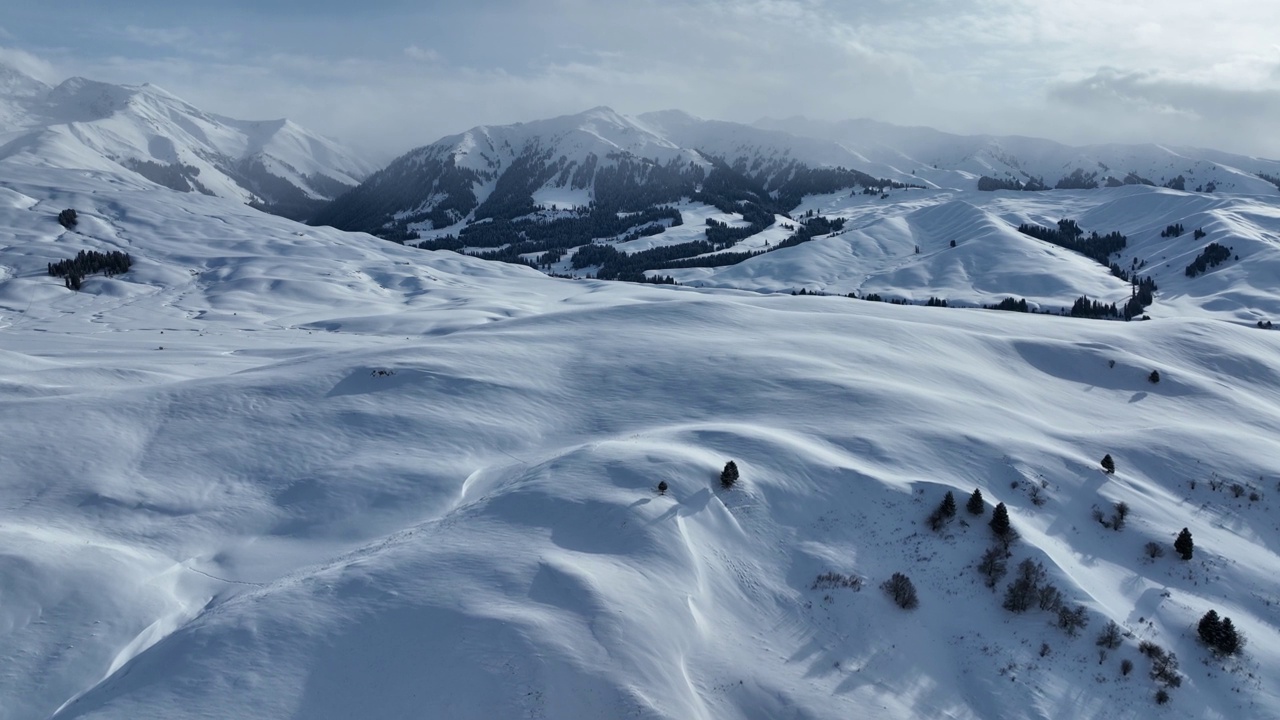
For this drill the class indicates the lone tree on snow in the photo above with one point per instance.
(976, 505)
(1108, 464)
(900, 588)
(662, 487)
(1154, 377)
(1000, 523)
(1183, 545)
(729, 476)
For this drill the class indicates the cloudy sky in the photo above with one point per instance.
(387, 75)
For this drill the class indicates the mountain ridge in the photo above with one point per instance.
(465, 168)
(275, 165)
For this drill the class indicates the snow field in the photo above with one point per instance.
(365, 480)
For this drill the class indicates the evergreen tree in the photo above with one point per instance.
(1108, 464)
(1154, 377)
(976, 505)
(662, 487)
(944, 512)
(1229, 641)
(1184, 545)
(729, 476)
(1000, 522)
(1210, 629)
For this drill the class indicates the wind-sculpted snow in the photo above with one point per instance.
(283, 471)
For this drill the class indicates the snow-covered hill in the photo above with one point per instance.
(283, 471)
(900, 248)
(83, 124)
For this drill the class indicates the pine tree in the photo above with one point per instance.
(1210, 629)
(976, 505)
(1229, 641)
(943, 513)
(662, 487)
(1154, 377)
(1108, 464)
(1183, 545)
(729, 476)
(1000, 522)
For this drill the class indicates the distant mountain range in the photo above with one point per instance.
(633, 163)
(948, 160)
(274, 165)
(667, 197)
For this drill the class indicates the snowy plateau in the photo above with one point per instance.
(286, 471)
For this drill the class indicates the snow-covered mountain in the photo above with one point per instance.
(598, 157)
(510, 171)
(275, 165)
(954, 161)
(284, 471)
(898, 215)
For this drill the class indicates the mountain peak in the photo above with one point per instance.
(80, 99)
(15, 83)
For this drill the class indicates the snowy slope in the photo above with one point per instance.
(84, 124)
(876, 252)
(283, 471)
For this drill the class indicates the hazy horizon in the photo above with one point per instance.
(390, 75)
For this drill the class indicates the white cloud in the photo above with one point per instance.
(1149, 104)
(172, 37)
(25, 62)
(997, 66)
(427, 55)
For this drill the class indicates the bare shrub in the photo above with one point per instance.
(902, 591)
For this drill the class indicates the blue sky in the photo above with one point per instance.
(386, 75)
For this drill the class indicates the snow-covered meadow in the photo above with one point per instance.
(283, 471)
